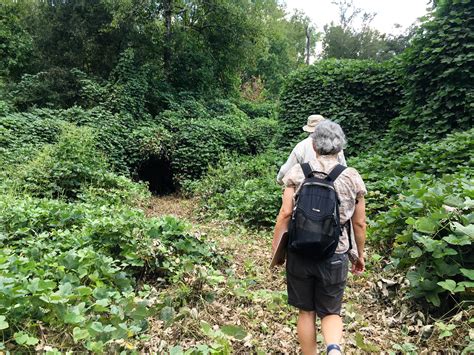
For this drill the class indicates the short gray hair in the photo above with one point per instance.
(328, 138)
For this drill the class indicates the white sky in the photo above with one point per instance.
(389, 12)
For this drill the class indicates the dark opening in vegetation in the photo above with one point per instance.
(157, 172)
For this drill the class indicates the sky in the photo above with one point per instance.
(389, 12)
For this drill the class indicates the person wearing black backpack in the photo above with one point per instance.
(320, 201)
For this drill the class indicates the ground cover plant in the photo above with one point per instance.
(103, 105)
(76, 250)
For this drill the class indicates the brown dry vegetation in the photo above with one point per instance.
(248, 294)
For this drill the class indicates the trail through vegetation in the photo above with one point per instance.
(247, 295)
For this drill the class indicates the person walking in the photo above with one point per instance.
(316, 286)
(303, 151)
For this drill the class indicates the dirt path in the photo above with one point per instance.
(250, 295)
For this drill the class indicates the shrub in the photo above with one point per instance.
(438, 76)
(431, 226)
(55, 87)
(386, 175)
(28, 129)
(202, 133)
(73, 267)
(258, 109)
(262, 133)
(363, 96)
(67, 167)
(243, 189)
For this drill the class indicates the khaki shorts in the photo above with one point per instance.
(316, 285)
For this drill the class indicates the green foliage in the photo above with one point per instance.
(258, 109)
(67, 167)
(438, 76)
(73, 266)
(202, 133)
(16, 42)
(73, 263)
(363, 96)
(386, 175)
(55, 87)
(435, 241)
(420, 208)
(243, 189)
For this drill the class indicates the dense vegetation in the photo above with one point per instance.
(101, 103)
(420, 194)
(362, 95)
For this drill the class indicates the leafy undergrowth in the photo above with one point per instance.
(241, 308)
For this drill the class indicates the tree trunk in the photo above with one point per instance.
(308, 43)
(168, 11)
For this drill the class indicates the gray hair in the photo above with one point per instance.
(328, 138)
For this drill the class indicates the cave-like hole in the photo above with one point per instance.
(157, 172)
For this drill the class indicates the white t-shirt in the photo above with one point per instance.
(303, 152)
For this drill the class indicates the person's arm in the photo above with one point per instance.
(359, 225)
(284, 216)
(341, 158)
(292, 161)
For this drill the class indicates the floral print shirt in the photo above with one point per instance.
(349, 187)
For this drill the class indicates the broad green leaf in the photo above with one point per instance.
(365, 346)
(467, 284)
(3, 323)
(469, 273)
(433, 298)
(167, 314)
(449, 285)
(84, 291)
(176, 350)
(97, 327)
(206, 328)
(415, 252)
(80, 334)
(464, 230)
(426, 225)
(457, 240)
(23, 338)
(73, 318)
(234, 331)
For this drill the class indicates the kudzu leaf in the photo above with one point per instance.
(469, 273)
(361, 344)
(463, 230)
(3, 323)
(206, 328)
(234, 331)
(167, 314)
(73, 318)
(79, 334)
(23, 338)
(467, 284)
(97, 327)
(426, 225)
(415, 252)
(449, 285)
(457, 240)
(433, 298)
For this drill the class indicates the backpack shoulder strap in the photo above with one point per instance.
(335, 172)
(307, 170)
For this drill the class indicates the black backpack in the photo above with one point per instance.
(315, 226)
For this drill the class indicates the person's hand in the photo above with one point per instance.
(358, 266)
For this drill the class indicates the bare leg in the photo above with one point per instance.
(331, 326)
(307, 332)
